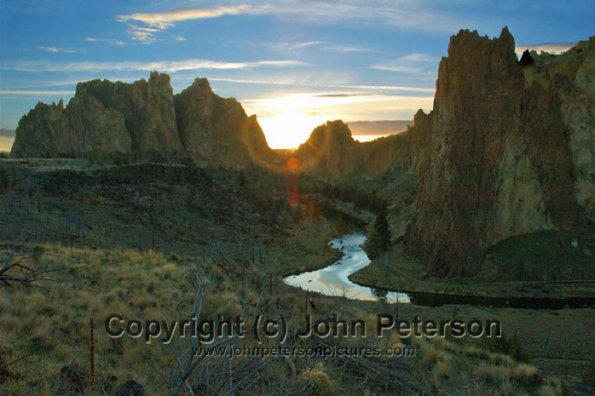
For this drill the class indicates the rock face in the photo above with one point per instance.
(507, 149)
(144, 117)
(212, 127)
(331, 151)
(85, 126)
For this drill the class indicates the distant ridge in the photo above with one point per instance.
(375, 128)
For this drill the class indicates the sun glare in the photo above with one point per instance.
(288, 130)
(288, 119)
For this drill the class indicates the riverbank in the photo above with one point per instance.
(333, 280)
(397, 270)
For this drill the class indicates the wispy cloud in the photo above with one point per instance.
(56, 49)
(143, 34)
(293, 83)
(402, 14)
(117, 43)
(165, 20)
(552, 48)
(292, 46)
(164, 66)
(35, 92)
(345, 48)
(416, 63)
(339, 95)
(159, 21)
(6, 132)
(288, 46)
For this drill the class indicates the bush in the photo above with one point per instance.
(380, 238)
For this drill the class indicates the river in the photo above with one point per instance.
(334, 279)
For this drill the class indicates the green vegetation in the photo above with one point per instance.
(380, 239)
(397, 270)
(541, 256)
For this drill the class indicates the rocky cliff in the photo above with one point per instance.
(144, 117)
(507, 149)
(331, 151)
(211, 127)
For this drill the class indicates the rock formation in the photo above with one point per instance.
(331, 151)
(507, 149)
(144, 117)
(211, 127)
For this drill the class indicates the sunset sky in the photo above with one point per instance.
(293, 63)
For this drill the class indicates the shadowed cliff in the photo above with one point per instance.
(507, 150)
(144, 118)
(331, 152)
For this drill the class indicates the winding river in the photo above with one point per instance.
(334, 279)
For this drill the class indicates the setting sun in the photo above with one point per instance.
(287, 120)
(289, 129)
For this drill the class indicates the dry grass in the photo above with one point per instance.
(48, 327)
(44, 329)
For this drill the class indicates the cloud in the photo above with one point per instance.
(163, 66)
(159, 21)
(401, 14)
(345, 48)
(117, 43)
(288, 46)
(180, 38)
(56, 49)
(165, 20)
(339, 95)
(143, 34)
(419, 57)
(415, 63)
(292, 46)
(429, 91)
(6, 132)
(552, 48)
(35, 92)
(294, 83)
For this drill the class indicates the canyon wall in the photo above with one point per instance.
(506, 150)
(145, 117)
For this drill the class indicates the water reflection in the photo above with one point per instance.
(334, 279)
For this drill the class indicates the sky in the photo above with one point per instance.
(294, 63)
